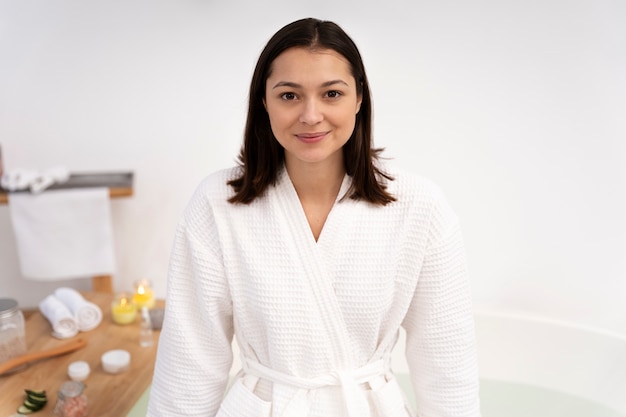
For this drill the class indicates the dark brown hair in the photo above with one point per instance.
(261, 155)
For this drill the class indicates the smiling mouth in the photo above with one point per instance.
(311, 137)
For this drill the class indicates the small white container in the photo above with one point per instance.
(78, 371)
(115, 361)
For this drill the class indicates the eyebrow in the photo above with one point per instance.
(296, 85)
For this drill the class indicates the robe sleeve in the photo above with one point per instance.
(194, 353)
(441, 345)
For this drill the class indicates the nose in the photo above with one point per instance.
(311, 112)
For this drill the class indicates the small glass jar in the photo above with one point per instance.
(71, 400)
(144, 296)
(123, 309)
(12, 330)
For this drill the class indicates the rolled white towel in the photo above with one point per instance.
(87, 314)
(36, 181)
(18, 179)
(59, 174)
(63, 323)
(51, 176)
(40, 183)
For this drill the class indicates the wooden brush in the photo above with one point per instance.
(18, 361)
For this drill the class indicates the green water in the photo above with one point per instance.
(506, 399)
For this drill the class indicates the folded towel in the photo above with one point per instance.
(63, 234)
(87, 314)
(60, 317)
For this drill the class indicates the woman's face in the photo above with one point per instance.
(312, 101)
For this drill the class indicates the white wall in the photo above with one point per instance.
(515, 107)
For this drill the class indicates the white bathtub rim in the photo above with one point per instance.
(567, 357)
(534, 318)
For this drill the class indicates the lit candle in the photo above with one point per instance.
(143, 297)
(123, 310)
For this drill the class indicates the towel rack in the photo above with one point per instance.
(120, 184)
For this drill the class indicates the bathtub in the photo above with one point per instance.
(533, 367)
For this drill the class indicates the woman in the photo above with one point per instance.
(314, 257)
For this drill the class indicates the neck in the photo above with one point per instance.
(316, 182)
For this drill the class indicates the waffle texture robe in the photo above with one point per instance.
(316, 320)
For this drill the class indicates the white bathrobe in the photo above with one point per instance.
(316, 320)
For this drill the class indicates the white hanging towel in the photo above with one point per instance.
(61, 319)
(87, 314)
(63, 234)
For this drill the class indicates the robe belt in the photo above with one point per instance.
(354, 397)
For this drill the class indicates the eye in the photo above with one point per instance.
(334, 94)
(288, 96)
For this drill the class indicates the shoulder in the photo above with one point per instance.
(411, 188)
(422, 199)
(211, 193)
(214, 187)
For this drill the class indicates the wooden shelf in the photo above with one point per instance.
(120, 184)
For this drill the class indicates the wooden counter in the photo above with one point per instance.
(111, 395)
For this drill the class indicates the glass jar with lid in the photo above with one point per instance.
(12, 331)
(71, 400)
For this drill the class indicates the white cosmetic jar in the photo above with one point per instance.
(115, 361)
(78, 371)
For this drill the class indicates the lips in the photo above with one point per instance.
(311, 137)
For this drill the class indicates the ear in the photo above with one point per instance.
(264, 104)
(359, 100)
